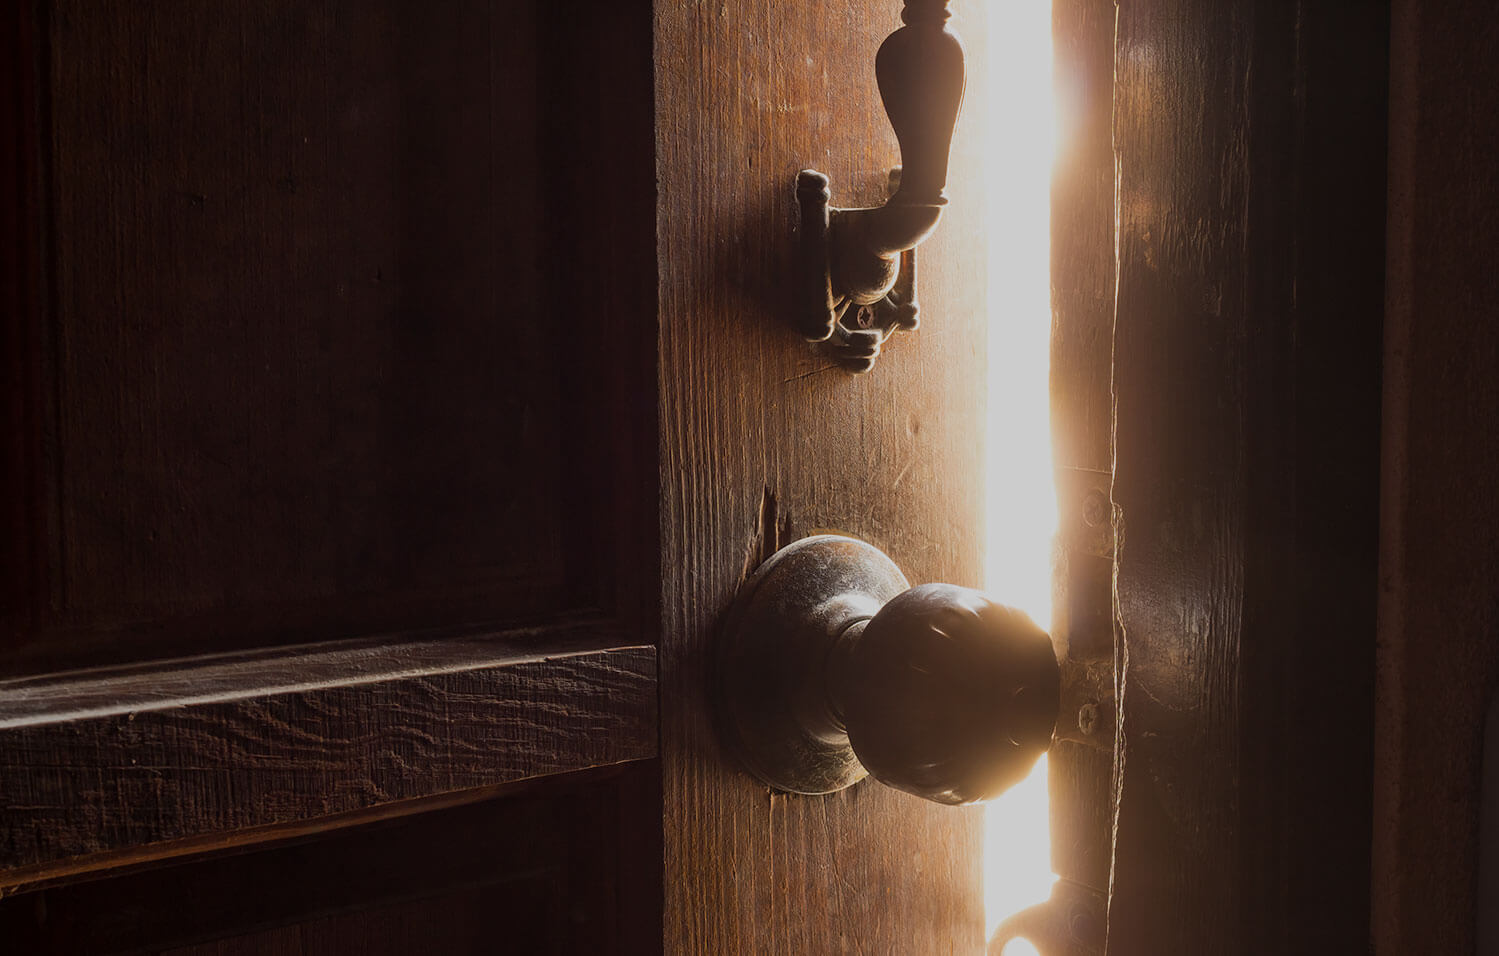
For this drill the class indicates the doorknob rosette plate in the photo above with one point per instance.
(774, 656)
(831, 668)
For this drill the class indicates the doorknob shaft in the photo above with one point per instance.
(830, 667)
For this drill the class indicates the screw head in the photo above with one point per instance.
(1095, 508)
(1087, 718)
(1084, 927)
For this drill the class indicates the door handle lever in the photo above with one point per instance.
(858, 266)
(831, 667)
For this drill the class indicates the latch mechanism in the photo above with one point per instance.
(858, 266)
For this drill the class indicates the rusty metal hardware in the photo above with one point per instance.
(858, 266)
(832, 667)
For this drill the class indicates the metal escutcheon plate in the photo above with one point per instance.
(773, 656)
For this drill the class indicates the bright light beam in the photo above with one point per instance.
(1020, 121)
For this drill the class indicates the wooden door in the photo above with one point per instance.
(330, 479)
(1250, 144)
(397, 394)
(765, 439)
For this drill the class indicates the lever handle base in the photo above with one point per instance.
(857, 282)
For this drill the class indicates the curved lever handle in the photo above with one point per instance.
(831, 668)
(919, 69)
(859, 265)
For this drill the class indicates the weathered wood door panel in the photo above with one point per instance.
(765, 440)
(312, 516)
(299, 362)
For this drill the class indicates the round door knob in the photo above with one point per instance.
(832, 667)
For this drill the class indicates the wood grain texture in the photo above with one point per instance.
(763, 441)
(547, 867)
(284, 941)
(299, 325)
(1250, 138)
(327, 319)
(295, 235)
(1082, 236)
(1439, 608)
(274, 741)
(22, 401)
(1081, 764)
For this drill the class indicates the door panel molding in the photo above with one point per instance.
(327, 322)
(150, 761)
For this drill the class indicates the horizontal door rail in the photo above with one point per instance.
(132, 764)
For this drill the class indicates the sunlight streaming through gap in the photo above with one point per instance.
(1019, 118)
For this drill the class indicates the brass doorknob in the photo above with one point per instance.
(831, 666)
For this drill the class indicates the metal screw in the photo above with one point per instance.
(1084, 928)
(1095, 508)
(1087, 718)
